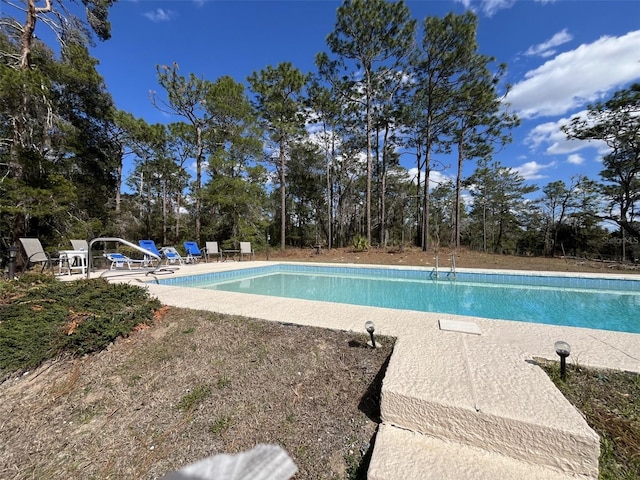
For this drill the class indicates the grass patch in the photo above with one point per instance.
(221, 424)
(610, 401)
(194, 397)
(43, 318)
(223, 382)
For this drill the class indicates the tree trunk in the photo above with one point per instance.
(368, 133)
(165, 240)
(119, 180)
(283, 198)
(426, 214)
(178, 204)
(329, 197)
(456, 242)
(198, 188)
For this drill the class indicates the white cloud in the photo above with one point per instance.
(160, 15)
(549, 136)
(435, 178)
(488, 7)
(554, 141)
(546, 49)
(578, 77)
(190, 166)
(575, 159)
(532, 170)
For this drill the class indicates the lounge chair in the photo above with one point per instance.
(171, 255)
(118, 260)
(245, 249)
(36, 254)
(194, 255)
(150, 245)
(212, 250)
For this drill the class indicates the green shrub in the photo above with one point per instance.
(360, 244)
(43, 318)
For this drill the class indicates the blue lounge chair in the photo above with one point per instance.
(118, 260)
(194, 255)
(150, 245)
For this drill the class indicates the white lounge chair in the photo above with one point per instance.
(171, 255)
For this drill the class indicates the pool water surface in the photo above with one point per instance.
(608, 304)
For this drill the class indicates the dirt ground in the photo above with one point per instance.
(463, 259)
(195, 384)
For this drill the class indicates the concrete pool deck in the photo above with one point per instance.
(454, 404)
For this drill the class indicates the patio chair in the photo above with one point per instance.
(81, 245)
(194, 255)
(245, 249)
(150, 245)
(118, 260)
(78, 261)
(171, 255)
(211, 250)
(36, 254)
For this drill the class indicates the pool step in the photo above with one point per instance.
(405, 455)
(470, 390)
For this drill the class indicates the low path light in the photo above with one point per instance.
(13, 254)
(370, 327)
(563, 349)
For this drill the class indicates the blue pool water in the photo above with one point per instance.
(609, 304)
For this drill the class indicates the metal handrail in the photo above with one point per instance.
(435, 273)
(127, 243)
(453, 266)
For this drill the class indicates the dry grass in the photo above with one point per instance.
(610, 402)
(193, 385)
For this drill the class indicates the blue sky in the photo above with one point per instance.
(561, 55)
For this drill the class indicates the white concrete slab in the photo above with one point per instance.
(459, 326)
(405, 455)
(473, 391)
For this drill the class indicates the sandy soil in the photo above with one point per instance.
(463, 259)
(193, 385)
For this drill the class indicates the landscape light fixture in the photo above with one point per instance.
(370, 327)
(13, 255)
(563, 349)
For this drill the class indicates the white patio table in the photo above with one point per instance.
(74, 260)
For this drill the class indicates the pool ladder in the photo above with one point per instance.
(435, 273)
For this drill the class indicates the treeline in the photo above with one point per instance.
(300, 158)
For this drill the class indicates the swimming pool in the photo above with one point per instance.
(600, 303)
